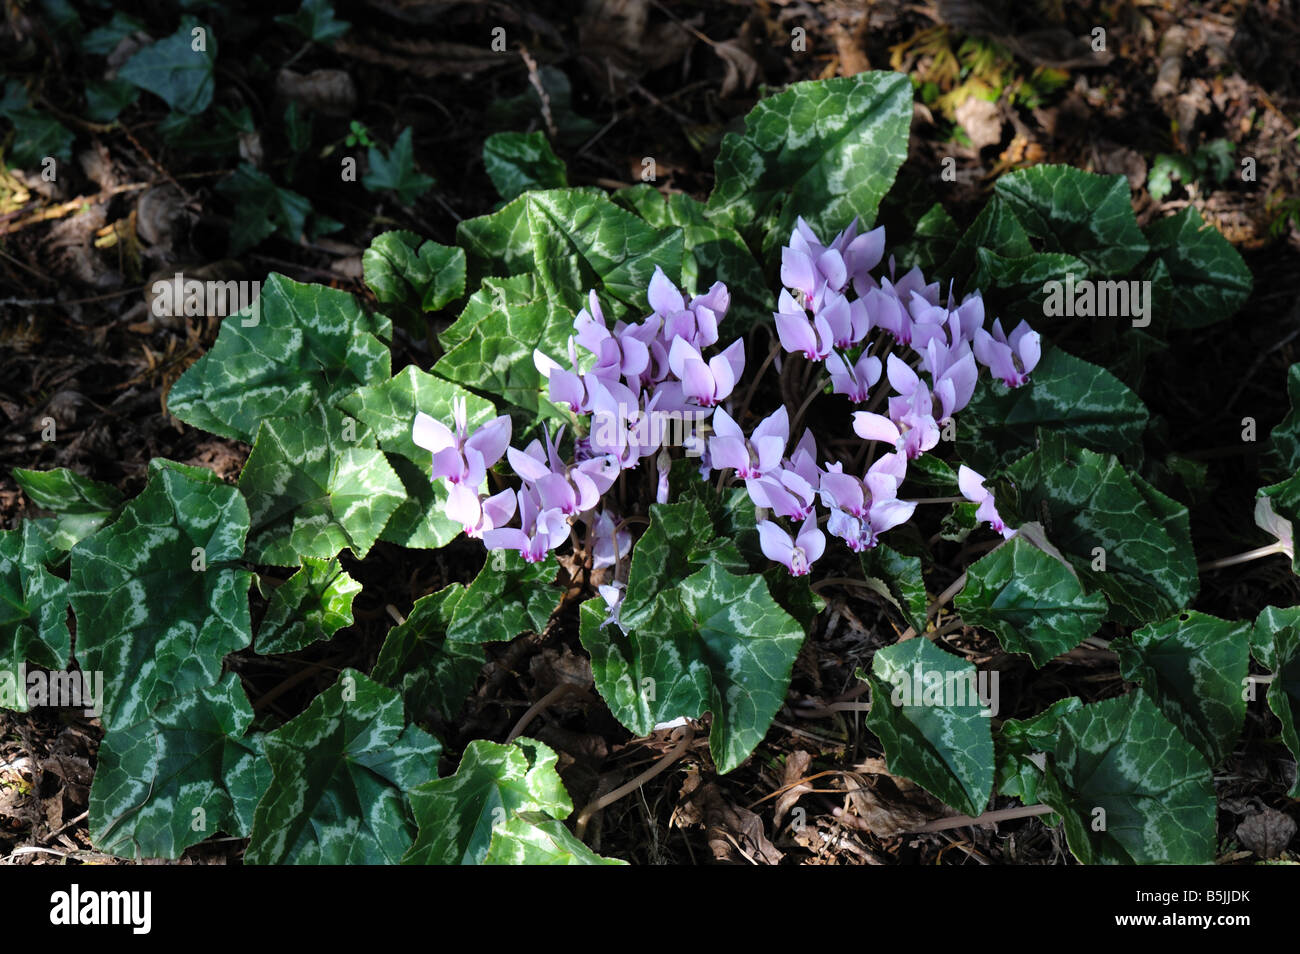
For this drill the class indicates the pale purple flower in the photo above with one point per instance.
(973, 489)
(604, 550)
(783, 491)
(876, 427)
(798, 554)
(541, 531)
(711, 382)
(1009, 358)
(885, 310)
(814, 338)
(477, 513)
(457, 455)
(612, 594)
(954, 372)
(753, 457)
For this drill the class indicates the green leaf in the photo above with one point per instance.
(927, 713)
(315, 485)
(81, 505)
(711, 252)
(508, 597)
(527, 109)
(1089, 501)
(1128, 787)
(296, 347)
(179, 776)
(574, 240)
(1164, 170)
(534, 838)
(898, 579)
(388, 409)
(313, 604)
(173, 70)
(342, 772)
(396, 172)
(1072, 397)
(495, 350)
(1275, 642)
(152, 623)
(827, 150)
(1194, 667)
(1080, 213)
(716, 642)
(315, 20)
(263, 208)
(1031, 601)
(997, 230)
(1020, 744)
(101, 41)
(1210, 279)
(105, 99)
(1283, 454)
(413, 275)
(460, 816)
(681, 539)
(38, 136)
(418, 660)
(517, 162)
(33, 610)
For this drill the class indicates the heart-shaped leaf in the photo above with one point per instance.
(518, 162)
(160, 596)
(313, 604)
(179, 776)
(297, 346)
(342, 771)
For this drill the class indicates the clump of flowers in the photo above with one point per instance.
(899, 351)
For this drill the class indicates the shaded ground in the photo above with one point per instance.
(79, 344)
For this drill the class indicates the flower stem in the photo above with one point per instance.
(1246, 557)
(953, 589)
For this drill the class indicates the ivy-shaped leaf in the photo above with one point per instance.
(418, 660)
(508, 597)
(927, 712)
(313, 604)
(714, 642)
(1072, 397)
(459, 816)
(1283, 454)
(155, 616)
(711, 252)
(1123, 536)
(316, 21)
(681, 538)
(33, 610)
(574, 240)
(1021, 745)
(342, 771)
(178, 68)
(1128, 787)
(827, 150)
(81, 505)
(518, 162)
(1081, 213)
(297, 346)
(1210, 279)
(535, 838)
(395, 171)
(1031, 601)
(898, 579)
(1194, 667)
(1275, 642)
(179, 776)
(388, 408)
(316, 484)
(412, 274)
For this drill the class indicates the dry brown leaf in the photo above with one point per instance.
(1267, 833)
(330, 92)
(796, 767)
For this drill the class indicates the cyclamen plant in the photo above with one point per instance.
(832, 310)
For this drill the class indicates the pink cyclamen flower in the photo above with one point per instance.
(477, 513)
(541, 530)
(1012, 357)
(815, 339)
(457, 455)
(973, 489)
(753, 457)
(798, 554)
(711, 382)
